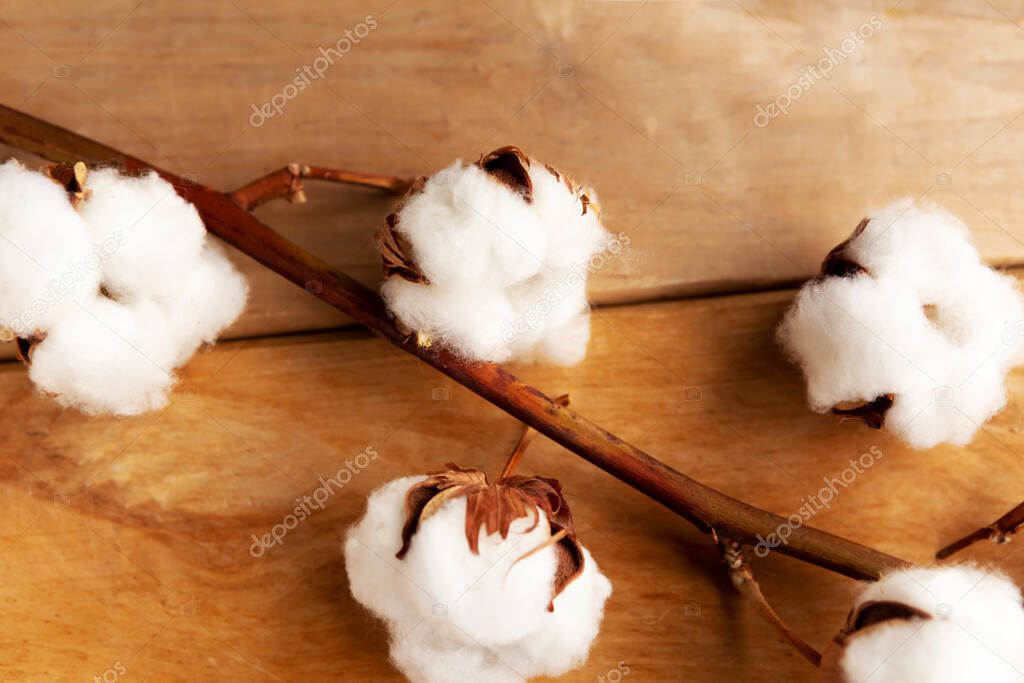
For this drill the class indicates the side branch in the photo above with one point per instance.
(743, 580)
(524, 441)
(999, 531)
(286, 183)
(703, 506)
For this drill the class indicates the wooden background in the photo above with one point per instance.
(125, 545)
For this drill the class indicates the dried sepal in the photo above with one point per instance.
(880, 611)
(394, 253)
(872, 613)
(25, 345)
(493, 507)
(871, 413)
(72, 178)
(837, 263)
(437, 488)
(510, 167)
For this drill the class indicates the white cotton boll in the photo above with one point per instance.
(209, 297)
(925, 321)
(973, 630)
(165, 290)
(106, 357)
(158, 235)
(467, 230)
(487, 246)
(45, 251)
(455, 616)
(472, 321)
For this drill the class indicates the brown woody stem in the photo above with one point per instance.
(286, 183)
(703, 506)
(744, 581)
(524, 441)
(999, 531)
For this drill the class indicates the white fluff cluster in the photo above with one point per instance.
(974, 630)
(926, 321)
(454, 616)
(507, 273)
(114, 294)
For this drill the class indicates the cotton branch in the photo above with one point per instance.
(743, 580)
(999, 531)
(286, 183)
(704, 507)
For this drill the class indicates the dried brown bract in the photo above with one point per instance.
(494, 507)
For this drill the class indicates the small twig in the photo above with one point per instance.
(524, 441)
(999, 531)
(743, 580)
(286, 183)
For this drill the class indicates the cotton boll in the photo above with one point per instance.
(454, 615)
(915, 316)
(106, 357)
(159, 234)
(467, 230)
(209, 297)
(472, 321)
(477, 257)
(165, 289)
(951, 624)
(45, 251)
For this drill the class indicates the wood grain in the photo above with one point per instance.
(653, 103)
(129, 540)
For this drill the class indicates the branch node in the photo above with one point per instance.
(1000, 531)
(734, 556)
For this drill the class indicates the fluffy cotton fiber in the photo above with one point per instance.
(505, 263)
(925, 321)
(113, 295)
(455, 616)
(971, 628)
(40, 234)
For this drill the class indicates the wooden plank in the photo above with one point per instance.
(127, 541)
(654, 103)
